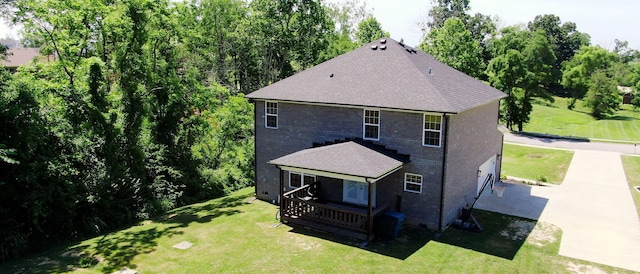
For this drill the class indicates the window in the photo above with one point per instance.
(271, 114)
(412, 183)
(432, 130)
(297, 179)
(371, 124)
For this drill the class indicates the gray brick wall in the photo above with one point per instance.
(299, 126)
(473, 139)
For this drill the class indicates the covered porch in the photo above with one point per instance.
(358, 165)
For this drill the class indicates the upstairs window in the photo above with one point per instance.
(271, 115)
(413, 183)
(371, 125)
(432, 130)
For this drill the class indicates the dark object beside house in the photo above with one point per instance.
(382, 128)
(399, 216)
(386, 227)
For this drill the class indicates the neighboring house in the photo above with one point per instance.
(17, 57)
(627, 94)
(383, 127)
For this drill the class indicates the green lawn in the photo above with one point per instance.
(238, 234)
(632, 170)
(556, 119)
(534, 163)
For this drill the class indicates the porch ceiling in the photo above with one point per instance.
(349, 160)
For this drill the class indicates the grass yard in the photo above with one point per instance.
(555, 118)
(534, 163)
(238, 234)
(632, 170)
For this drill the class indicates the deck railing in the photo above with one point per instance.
(296, 204)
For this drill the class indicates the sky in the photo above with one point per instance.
(603, 20)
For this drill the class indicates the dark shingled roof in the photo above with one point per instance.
(20, 56)
(347, 158)
(396, 77)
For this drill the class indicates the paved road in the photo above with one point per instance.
(593, 205)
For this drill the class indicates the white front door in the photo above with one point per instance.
(358, 193)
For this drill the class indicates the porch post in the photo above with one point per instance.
(281, 190)
(370, 213)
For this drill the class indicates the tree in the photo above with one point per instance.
(108, 132)
(565, 39)
(507, 73)
(521, 69)
(442, 10)
(453, 45)
(602, 97)
(481, 26)
(347, 16)
(626, 54)
(369, 30)
(577, 72)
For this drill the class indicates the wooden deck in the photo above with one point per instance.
(299, 208)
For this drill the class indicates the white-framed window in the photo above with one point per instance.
(271, 114)
(297, 179)
(432, 130)
(413, 183)
(371, 124)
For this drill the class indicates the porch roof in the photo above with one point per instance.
(350, 160)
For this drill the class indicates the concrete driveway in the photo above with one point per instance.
(593, 207)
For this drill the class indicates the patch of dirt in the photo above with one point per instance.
(533, 156)
(302, 242)
(42, 261)
(518, 230)
(543, 234)
(579, 268)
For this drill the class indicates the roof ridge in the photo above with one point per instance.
(427, 73)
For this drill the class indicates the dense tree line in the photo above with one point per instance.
(542, 58)
(143, 109)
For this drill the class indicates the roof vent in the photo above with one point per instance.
(374, 47)
(383, 47)
(331, 75)
(430, 72)
(383, 41)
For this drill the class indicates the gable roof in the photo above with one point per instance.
(20, 56)
(392, 76)
(350, 158)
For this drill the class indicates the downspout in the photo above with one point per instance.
(444, 169)
(255, 156)
(370, 211)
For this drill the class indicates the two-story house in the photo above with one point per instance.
(383, 127)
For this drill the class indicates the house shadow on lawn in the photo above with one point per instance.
(503, 236)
